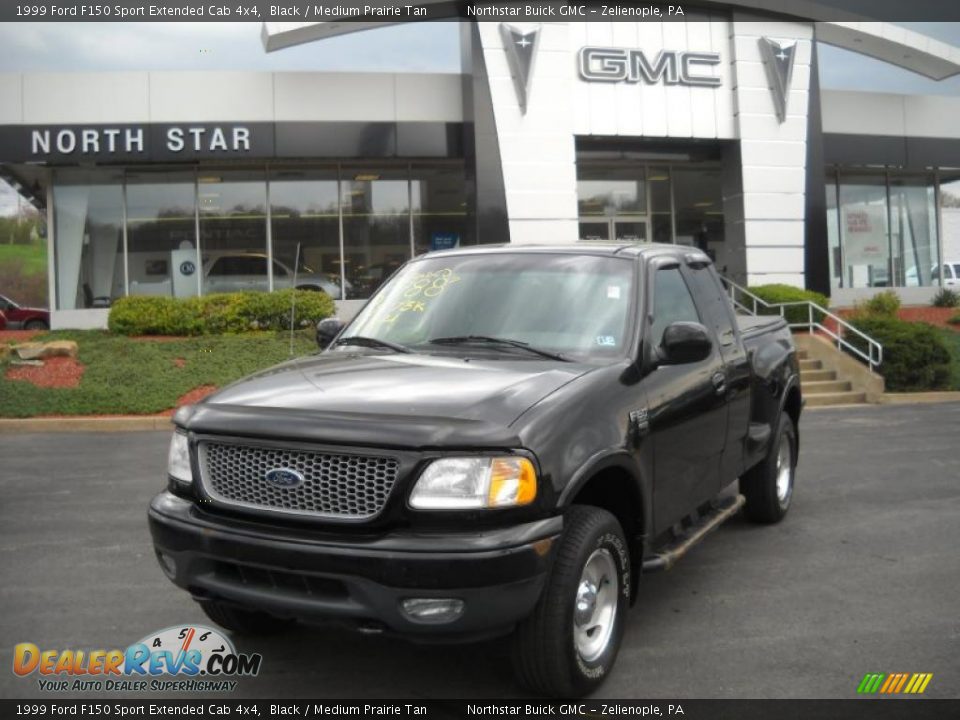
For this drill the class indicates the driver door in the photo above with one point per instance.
(687, 410)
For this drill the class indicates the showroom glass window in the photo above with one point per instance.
(913, 226)
(950, 226)
(162, 233)
(233, 230)
(304, 212)
(864, 231)
(833, 232)
(88, 235)
(882, 229)
(438, 206)
(698, 204)
(661, 204)
(375, 205)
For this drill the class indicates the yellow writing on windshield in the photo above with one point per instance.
(423, 287)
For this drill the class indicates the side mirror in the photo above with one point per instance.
(685, 342)
(327, 330)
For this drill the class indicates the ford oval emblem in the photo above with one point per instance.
(283, 477)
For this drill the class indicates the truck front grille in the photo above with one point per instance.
(333, 484)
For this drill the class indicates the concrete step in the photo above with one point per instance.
(807, 376)
(840, 398)
(810, 364)
(802, 355)
(820, 387)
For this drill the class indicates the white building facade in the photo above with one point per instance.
(709, 131)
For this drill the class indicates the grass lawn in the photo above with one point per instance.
(951, 339)
(34, 257)
(126, 376)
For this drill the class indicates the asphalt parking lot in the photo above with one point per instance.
(862, 576)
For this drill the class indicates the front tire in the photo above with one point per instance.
(768, 486)
(569, 643)
(35, 325)
(241, 621)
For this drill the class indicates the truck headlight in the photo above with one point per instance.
(178, 460)
(478, 482)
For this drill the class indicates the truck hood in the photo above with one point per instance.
(398, 400)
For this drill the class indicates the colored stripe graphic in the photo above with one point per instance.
(890, 682)
(894, 683)
(870, 683)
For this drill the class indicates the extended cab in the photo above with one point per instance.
(501, 441)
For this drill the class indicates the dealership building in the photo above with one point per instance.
(710, 131)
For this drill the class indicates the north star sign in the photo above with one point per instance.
(668, 66)
(99, 141)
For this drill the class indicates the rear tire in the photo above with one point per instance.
(569, 643)
(243, 622)
(35, 325)
(768, 486)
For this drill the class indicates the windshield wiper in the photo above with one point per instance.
(464, 339)
(372, 342)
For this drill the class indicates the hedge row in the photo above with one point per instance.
(776, 294)
(218, 313)
(914, 356)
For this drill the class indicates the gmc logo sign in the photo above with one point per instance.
(669, 67)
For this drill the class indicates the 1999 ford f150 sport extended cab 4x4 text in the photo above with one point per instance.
(501, 441)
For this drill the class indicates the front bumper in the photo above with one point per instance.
(499, 574)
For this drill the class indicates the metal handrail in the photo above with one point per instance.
(874, 355)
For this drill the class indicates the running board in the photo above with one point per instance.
(666, 558)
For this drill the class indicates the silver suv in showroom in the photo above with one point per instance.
(235, 272)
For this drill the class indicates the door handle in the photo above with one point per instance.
(719, 381)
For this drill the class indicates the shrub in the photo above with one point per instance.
(218, 313)
(151, 316)
(885, 304)
(778, 293)
(946, 298)
(954, 320)
(914, 355)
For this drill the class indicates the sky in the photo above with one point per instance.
(410, 47)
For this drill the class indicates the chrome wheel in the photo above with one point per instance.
(595, 610)
(784, 470)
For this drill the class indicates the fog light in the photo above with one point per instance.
(167, 564)
(433, 610)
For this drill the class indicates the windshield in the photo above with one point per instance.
(574, 305)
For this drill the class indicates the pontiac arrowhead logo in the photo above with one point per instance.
(778, 59)
(521, 47)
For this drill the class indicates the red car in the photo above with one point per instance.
(23, 318)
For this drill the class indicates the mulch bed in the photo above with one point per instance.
(933, 315)
(18, 336)
(920, 313)
(56, 372)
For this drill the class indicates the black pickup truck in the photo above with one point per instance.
(501, 441)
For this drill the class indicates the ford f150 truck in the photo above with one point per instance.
(501, 441)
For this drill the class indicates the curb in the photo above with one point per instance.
(919, 398)
(115, 423)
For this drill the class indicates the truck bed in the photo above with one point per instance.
(753, 325)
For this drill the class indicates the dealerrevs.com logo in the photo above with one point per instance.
(182, 658)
